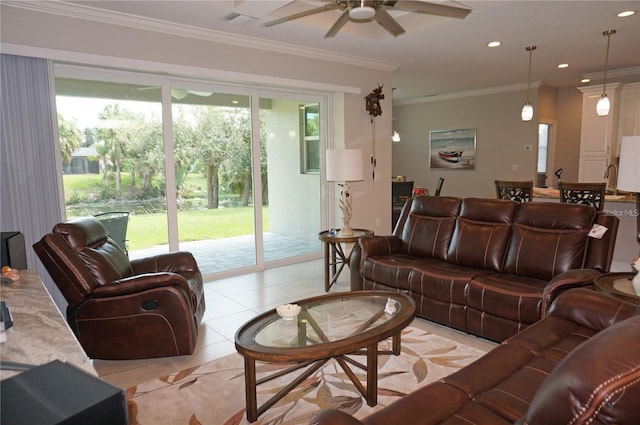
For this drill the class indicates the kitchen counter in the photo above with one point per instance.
(40, 334)
(551, 193)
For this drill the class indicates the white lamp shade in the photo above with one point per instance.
(344, 165)
(629, 166)
(527, 112)
(603, 106)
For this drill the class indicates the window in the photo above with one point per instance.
(310, 140)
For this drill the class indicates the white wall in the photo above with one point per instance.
(500, 142)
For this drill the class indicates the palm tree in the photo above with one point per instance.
(70, 138)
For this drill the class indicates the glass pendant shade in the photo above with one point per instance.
(527, 112)
(603, 106)
(395, 137)
(527, 109)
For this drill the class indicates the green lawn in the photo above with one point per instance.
(148, 230)
(83, 197)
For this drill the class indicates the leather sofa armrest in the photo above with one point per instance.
(333, 417)
(140, 283)
(379, 245)
(592, 309)
(174, 262)
(570, 279)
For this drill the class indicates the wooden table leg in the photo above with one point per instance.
(333, 248)
(372, 375)
(395, 344)
(326, 266)
(250, 389)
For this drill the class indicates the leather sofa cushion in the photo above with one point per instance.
(430, 225)
(597, 383)
(548, 239)
(517, 298)
(392, 270)
(482, 233)
(101, 255)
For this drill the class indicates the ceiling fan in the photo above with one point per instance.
(369, 10)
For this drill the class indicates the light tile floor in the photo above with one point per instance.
(233, 301)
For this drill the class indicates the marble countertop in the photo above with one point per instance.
(40, 333)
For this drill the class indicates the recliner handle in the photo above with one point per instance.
(150, 305)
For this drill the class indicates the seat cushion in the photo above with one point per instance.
(512, 297)
(439, 290)
(392, 270)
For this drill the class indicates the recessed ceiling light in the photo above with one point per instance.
(585, 80)
(235, 102)
(494, 43)
(563, 65)
(626, 13)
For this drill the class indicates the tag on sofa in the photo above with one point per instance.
(597, 231)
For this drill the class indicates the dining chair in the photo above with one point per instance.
(583, 193)
(521, 191)
(400, 192)
(439, 186)
(116, 223)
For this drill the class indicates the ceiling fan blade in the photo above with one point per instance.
(388, 22)
(430, 8)
(330, 6)
(337, 26)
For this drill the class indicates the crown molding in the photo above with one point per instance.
(614, 73)
(90, 13)
(468, 93)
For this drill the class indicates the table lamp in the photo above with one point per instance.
(345, 166)
(629, 172)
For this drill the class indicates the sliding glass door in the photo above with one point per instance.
(291, 192)
(212, 156)
(113, 159)
(244, 169)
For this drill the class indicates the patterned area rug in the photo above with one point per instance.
(213, 393)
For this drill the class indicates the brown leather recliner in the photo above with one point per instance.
(121, 309)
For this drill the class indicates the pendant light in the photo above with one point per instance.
(604, 105)
(527, 109)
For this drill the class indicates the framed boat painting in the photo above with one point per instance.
(453, 149)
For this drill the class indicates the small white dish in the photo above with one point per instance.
(288, 311)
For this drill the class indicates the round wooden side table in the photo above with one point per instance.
(618, 285)
(334, 256)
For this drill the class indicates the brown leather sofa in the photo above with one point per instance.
(579, 365)
(121, 309)
(488, 267)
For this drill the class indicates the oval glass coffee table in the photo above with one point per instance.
(328, 326)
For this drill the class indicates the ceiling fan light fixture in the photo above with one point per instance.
(362, 13)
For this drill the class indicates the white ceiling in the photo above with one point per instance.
(436, 55)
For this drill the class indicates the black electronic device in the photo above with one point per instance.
(6, 320)
(12, 250)
(57, 393)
